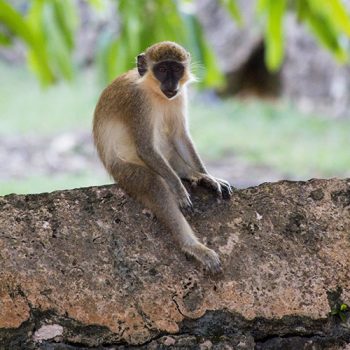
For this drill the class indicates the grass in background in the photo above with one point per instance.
(25, 107)
(276, 135)
(41, 183)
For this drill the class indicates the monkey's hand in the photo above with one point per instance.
(183, 197)
(221, 187)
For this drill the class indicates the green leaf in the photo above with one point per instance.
(201, 52)
(112, 58)
(14, 22)
(343, 307)
(26, 31)
(57, 48)
(34, 18)
(5, 39)
(233, 10)
(98, 4)
(335, 13)
(342, 317)
(37, 56)
(130, 26)
(262, 6)
(325, 34)
(115, 65)
(340, 15)
(66, 20)
(274, 34)
(301, 7)
(37, 62)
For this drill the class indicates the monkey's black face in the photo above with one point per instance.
(169, 73)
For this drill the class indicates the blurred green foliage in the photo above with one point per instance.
(46, 183)
(47, 27)
(277, 135)
(328, 20)
(142, 23)
(260, 133)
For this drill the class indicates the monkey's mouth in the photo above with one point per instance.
(169, 93)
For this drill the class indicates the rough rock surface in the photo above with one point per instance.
(90, 268)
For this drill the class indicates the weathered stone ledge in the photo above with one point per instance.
(89, 268)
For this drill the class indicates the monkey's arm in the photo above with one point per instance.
(155, 161)
(187, 151)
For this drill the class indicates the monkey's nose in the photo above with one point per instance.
(170, 93)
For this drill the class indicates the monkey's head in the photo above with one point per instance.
(167, 63)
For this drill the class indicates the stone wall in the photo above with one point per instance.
(89, 268)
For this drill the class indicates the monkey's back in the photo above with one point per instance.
(119, 101)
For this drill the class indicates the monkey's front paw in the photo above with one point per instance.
(221, 187)
(208, 257)
(184, 199)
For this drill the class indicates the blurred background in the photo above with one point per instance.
(272, 101)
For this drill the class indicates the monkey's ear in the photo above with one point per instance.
(141, 64)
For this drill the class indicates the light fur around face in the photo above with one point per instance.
(150, 83)
(143, 141)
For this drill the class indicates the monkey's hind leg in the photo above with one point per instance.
(153, 192)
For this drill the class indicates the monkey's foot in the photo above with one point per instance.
(208, 257)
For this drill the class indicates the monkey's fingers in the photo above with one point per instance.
(185, 202)
(226, 189)
(223, 182)
(194, 183)
(212, 184)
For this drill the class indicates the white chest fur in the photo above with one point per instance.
(169, 120)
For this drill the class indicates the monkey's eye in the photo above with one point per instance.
(177, 68)
(162, 69)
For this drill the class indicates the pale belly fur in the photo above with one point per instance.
(120, 144)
